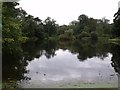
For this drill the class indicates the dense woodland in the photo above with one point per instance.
(18, 26)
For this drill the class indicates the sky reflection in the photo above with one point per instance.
(65, 67)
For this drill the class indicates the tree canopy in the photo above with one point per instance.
(116, 28)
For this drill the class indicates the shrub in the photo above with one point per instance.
(94, 36)
(83, 34)
(64, 37)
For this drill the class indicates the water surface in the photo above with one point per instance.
(74, 64)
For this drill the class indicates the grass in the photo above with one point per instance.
(115, 41)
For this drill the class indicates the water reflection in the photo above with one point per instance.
(62, 64)
(13, 65)
(115, 50)
(61, 69)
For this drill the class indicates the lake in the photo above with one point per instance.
(60, 64)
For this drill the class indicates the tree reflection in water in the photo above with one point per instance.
(13, 64)
(115, 50)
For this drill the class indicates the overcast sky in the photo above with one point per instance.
(65, 11)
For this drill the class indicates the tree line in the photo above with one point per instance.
(18, 26)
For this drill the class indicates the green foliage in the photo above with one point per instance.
(50, 26)
(115, 41)
(83, 20)
(86, 24)
(17, 25)
(68, 35)
(64, 37)
(116, 27)
(61, 29)
(94, 36)
(32, 27)
(11, 26)
(83, 34)
(69, 32)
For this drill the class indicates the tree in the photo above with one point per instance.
(116, 26)
(62, 29)
(94, 36)
(83, 20)
(91, 24)
(12, 39)
(32, 27)
(11, 25)
(50, 26)
(103, 28)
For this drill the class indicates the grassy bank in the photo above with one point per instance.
(115, 41)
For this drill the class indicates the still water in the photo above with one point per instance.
(66, 70)
(68, 65)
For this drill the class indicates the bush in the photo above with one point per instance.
(65, 37)
(83, 34)
(94, 36)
